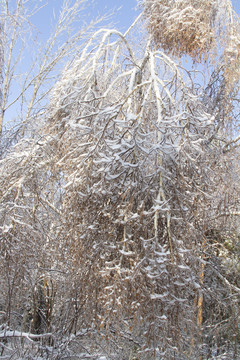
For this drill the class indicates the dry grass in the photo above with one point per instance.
(184, 27)
(204, 30)
(231, 58)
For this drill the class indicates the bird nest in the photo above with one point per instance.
(182, 27)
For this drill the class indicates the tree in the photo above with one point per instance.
(124, 197)
(31, 87)
(1, 62)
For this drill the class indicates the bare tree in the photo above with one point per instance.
(1, 62)
(32, 86)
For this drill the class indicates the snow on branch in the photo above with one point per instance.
(18, 334)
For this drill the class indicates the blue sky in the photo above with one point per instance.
(125, 11)
(236, 5)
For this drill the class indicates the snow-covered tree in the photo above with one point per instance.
(123, 209)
